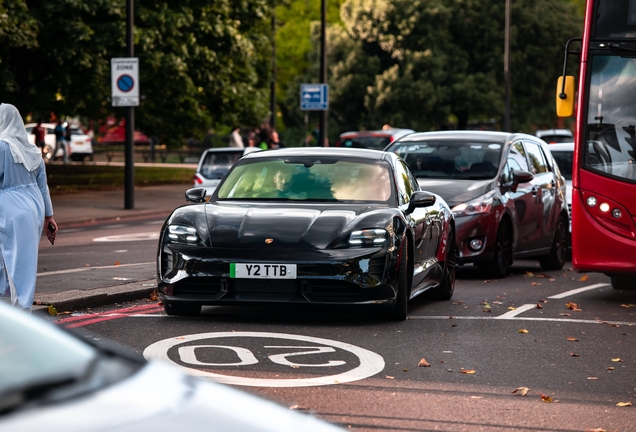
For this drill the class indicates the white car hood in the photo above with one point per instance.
(162, 398)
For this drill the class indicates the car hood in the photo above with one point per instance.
(456, 191)
(311, 226)
(175, 401)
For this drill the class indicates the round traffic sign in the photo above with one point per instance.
(234, 358)
(125, 83)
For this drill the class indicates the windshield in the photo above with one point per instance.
(611, 117)
(217, 164)
(564, 161)
(557, 139)
(302, 178)
(32, 353)
(369, 142)
(448, 159)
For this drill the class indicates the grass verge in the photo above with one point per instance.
(85, 178)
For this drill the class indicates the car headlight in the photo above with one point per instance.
(183, 233)
(482, 204)
(368, 237)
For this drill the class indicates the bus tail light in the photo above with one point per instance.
(610, 214)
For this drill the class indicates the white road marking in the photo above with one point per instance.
(81, 269)
(370, 362)
(447, 318)
(154, 235)
(577, 291)
(513, 313)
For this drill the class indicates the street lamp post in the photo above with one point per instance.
(322, 137)
(129, 173)
(506, 123)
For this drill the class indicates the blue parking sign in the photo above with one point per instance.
(314, 97)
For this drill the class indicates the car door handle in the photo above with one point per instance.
(534, 191)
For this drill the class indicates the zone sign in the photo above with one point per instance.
(125, 81)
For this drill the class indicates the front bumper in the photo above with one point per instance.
(201, 275)
(482, 227)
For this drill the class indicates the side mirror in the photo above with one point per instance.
(521, 176)
(420, 199)
(195, 195)
(565, 96)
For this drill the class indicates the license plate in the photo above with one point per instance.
(262, 271)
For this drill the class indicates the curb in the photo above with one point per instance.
(84, 299)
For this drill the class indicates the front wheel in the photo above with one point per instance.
(555, 260)
(447, 286)
(623, 282)
(399, 309)
(181, 309)
(503, 251)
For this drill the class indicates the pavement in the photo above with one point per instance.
(81, 209)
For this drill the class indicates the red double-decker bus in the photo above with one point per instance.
(604, 168)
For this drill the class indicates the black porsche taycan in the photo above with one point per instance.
(318, 225)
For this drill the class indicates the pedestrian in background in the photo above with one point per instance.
(236, 140)
(274, 140)
(25, 208)
(60, 141)
(40, 133)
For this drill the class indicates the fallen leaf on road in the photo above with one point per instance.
(154, 296)
(523, 331)
(487, 306)
(512, 308)
(544, 301)
(624, 404)
(458, 302)
(529, 274)
(552, 280)
(545, 398)
(592, 378)
(571, 305)
(610, 368)
(52, 311)
(572, 339)
(522, 390)
(574, 355)
(423, 363)
(487, 310)
(543, 275)
(298, 408)
(389, 377)
(117, 263)
(468, 371)
(565, 314)
(616, 360)
(535, 283)
(497, 302)
(583, 278)
(627, 306)
(539, 306)
(476, 397)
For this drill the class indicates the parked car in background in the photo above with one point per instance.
(72, 384)
(564, 156)
(505, 190)
(215, 163)
(309, 226)
(553, 136)
(376, 140)
(81, 146)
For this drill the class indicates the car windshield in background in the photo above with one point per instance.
(298, 179)
(564, 161)
(217, 164)
(450, 159)
(369, 142)
(557, 139)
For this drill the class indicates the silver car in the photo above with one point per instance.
(215, 163)
(52, 380)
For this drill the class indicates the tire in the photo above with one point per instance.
(623, 282)
(555, 260)
(398, 310)
(447, 286)
(181, 309)
(501, 262)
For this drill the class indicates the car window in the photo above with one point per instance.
(518, 153)
(564, 160)
(404, 185)
(457, 159)
(216, 164)
(298, 179)
(369, 142)
(538, 164)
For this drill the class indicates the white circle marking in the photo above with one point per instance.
(370, 362)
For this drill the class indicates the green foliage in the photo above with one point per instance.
(202, 63)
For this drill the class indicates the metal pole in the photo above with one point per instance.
(322, 137)
(506, 123)
(272, 90)
(129, 175)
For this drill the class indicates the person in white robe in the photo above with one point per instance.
(25, 209)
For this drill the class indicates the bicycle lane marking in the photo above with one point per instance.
(84, 320)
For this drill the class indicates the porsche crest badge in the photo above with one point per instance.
(269, 240)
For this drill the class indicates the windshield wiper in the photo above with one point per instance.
(618, 48)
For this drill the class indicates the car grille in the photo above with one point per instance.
(376, 267)
(199, 286)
